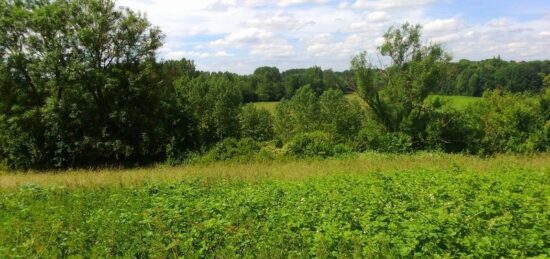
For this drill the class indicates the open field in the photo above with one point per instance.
(372, 205)
(459, 102)
(270, 106)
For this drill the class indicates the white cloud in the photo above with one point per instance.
(240, 35)
(391, 4)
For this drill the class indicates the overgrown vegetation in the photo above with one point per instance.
(374, 206)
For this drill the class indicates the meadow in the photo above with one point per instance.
(456, 101)
(367, 205)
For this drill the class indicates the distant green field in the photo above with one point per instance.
(459, 102)
(270, 106)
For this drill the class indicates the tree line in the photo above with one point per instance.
(81, 86)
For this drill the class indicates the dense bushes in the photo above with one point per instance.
(231, 148)
(510, 123)
(313, 144)
(306, 112)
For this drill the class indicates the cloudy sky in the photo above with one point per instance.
(240, 35)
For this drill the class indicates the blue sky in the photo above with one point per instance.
(240, 35)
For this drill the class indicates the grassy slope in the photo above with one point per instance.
(369, 206)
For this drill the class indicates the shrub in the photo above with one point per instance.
(509, 123)
(310, 145)
(439, 126)
(231, 148)
(375, 138)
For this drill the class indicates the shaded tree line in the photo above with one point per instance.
(473, 78)
(80, 86)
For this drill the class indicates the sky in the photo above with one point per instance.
(241, 35)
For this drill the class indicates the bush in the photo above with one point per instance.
(377, 139)
(439, 126)
(315, 144)
(231, 148)
(340, 117)
(509, 123)
(310, 144)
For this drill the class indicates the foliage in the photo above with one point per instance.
(472, 78)
(439, 126)
(231, 149)
(415, 71)
(268, 83)
(213, 102)
(78, 85)
(312, 144)
(256, 123)
(509, 123)
(376, 138)
(298, 115)
(421, 213)
(339, 116)
(331, 112)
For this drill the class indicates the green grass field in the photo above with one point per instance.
(270, 106)
(459, 102)
(370, 205)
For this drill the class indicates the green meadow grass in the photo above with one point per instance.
(270, 106)
(459, 102)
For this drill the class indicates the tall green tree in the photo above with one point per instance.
(314, 78)
(415, 70)
(340, 117)
(256, 123)
(80, 77)
(213, 102)
(268, 84)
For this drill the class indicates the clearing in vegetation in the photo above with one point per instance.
(455, 101)
(458, 102)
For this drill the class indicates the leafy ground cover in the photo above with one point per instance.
(420, 205)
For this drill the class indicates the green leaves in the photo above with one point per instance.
(415, 72)
(84, 70)
(423, 213)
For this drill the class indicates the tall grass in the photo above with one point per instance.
(291, 170)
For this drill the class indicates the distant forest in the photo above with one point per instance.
(465, 77)
(81, 86)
